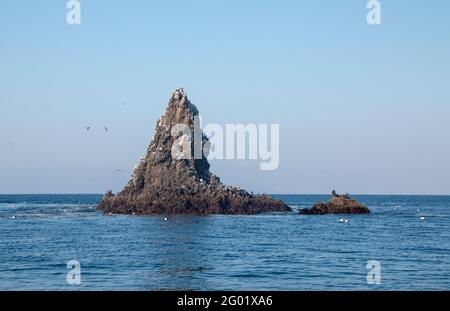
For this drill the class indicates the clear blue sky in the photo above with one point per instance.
(363, 109)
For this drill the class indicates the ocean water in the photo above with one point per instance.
(39, 234)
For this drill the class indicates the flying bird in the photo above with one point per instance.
(88, 128)
(106, 129)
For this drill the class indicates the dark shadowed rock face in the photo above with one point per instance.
(162, 184)
(339, 204)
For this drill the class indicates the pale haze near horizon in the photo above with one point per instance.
(362, 108)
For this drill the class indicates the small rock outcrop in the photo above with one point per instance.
(339, 204)
(162, 184)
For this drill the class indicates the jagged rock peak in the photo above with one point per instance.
(162, 184)
(180, 108)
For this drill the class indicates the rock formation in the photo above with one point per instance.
(339, 204)
(164, 184)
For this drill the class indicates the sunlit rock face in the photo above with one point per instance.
(162, 184)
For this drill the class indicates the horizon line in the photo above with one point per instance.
(257, 193)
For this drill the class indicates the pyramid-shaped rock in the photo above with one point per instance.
(162, 184)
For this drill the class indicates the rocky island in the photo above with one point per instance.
(162, 184)
(339, 204)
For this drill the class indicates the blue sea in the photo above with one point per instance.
(39, 234)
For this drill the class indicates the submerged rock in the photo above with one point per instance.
(339, 204)
(162, 184)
